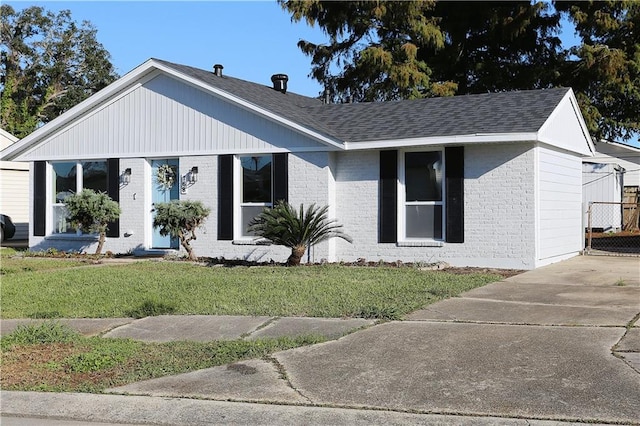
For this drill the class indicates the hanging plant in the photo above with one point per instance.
(166, 176)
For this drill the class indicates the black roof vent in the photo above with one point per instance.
(280, 82)
(217, 69)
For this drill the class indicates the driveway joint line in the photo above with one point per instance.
(521, 324)
(517, 302)
(282, 371)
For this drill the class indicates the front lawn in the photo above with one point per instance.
(158, 287)
(51, 357)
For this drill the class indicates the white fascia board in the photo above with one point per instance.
(8, 135)
(619, 145)
(14, 151)
(444, 140)
(172, 154)
(571, 99)
(33, 138)
(254, 108)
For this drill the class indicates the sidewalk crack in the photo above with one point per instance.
(282, 371)
(260, 327)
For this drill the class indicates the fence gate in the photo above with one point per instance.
(613, 228)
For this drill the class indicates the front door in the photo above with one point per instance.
(164, 188)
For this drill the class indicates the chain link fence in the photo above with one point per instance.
(613, 228)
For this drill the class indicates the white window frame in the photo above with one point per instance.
(237, 196)
(402, 202)
(51, 204)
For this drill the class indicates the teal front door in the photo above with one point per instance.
(164, 188)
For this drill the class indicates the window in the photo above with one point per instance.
(422, 191)
(69, 178)
(255, 188)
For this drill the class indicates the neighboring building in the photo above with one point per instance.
(625, 156)
(492, 180)
(602, 183)
(14, 189)
(612, 175)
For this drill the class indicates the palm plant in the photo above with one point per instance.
(284, 225)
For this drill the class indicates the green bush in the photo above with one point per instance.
(180, 219)
(296, 229)
(91, 212)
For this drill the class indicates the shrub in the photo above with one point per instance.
(180, 219)
(297, 230)
(91, 212)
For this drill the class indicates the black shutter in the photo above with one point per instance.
(280, 177)
(225, 197)
(454, 181)
(388, 232)
(113, 191)
(39, 198)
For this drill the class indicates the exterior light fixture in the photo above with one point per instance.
(188, 179)
(125, 177)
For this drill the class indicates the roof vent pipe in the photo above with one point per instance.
(217, 69)
(280, 82)
(327, 97)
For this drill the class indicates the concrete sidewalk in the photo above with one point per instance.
(202, 328)
(560, 343)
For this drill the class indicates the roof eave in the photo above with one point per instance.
(24, 145)
(312, 133)
(32, 139)
(476, 138)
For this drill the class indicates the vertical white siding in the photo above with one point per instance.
(560, 232)
(167, 117)
(602, 183)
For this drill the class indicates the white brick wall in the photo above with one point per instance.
(499, 210)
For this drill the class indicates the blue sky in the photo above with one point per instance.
(252, 39)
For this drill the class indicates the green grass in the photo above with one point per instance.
(51, 357)
(15, 265)
(184, 288)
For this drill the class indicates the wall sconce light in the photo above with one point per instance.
(188, 179)
(125, 177)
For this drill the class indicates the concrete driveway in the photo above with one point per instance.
(558, 343)
(547, 344)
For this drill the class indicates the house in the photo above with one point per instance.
(492, 180)
(14, 189)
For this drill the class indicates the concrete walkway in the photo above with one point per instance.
(202, 328)
(560, 343)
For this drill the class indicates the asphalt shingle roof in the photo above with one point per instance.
(505, 112)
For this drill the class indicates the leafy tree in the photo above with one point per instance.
(297, 230)
(49, 63)
(91, 212)
(605, 68)
(374, 46)
(387, 50)
(496, 45)
(180, 219)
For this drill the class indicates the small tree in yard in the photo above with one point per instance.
(180, 219)
(91, 212)
(283, 225)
